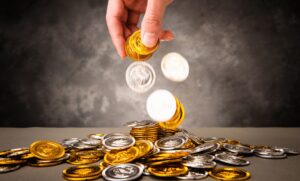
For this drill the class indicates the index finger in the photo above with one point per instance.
(114, 24)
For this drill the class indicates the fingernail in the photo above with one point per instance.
(149, 39)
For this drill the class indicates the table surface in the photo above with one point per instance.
(260, 169)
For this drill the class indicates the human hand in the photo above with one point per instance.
(122, 17)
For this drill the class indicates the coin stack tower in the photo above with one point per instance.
(136, 50)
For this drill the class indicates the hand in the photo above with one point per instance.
(122, 17)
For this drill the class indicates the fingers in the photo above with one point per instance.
(166, 35)
(152, 22)
(115, 27)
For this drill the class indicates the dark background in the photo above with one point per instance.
(58, 66)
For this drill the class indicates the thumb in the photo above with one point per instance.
(152, 22)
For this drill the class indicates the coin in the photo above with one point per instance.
(89, 141)
(121, 156)
(122, 172)
(140, 76)
(237, 148)
(227, 173)
(194, 174)
(141, 124)
(168, 154)
(18, 153)
(10, 151)
(144, 147)
(175, 67)
(269, 151)
(117, 142)
(82, 146)
(10, 161)
(8, 168)
(208, 147)
(136, 50)
(162, 162)
(204, 157)
(82, 178)
(231, 159)
(97, 136)
(199, 164)
(47, 150)
(161, 105)
(82, 171)
(82, 161)
(192, 136)
(168, 170)
(214, 139)
(170, 143)
(65, 157)
(287, 150)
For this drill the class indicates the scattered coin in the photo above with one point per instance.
(175, 67)
(140, 76)
(228, 173)
(122, 172)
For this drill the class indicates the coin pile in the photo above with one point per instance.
(136, 50)
(119, 156)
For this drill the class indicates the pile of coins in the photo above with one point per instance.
(136, 50)
(121, 156)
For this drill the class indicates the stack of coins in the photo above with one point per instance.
(144, 130)
(136, 50)
(183, 156)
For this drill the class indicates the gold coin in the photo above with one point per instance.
(82, 171)
(165, 155)
(36, 164)
(47, 150)
(136, 50)
(228, 173)
(115, 157)
(144, 147)
(90, 154)
(165, 162)
(83, 178)
(10, 161)
(27, 156)
(168, 170)
(82, 161)
(103, 165)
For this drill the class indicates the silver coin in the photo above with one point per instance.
(141, 124)
(170, 142)
(199, 164)
(194, 174)
(206, 148)
(70, 141)
(122, 172)
(96, 136)
(118, 142)
(269, 151)
(203, 158)
(287, 150)
(270, 156)
(191, 136)
(231, 159)
(154, 151)
(114, 134)
(8, 168)
(18, 153)
(82, 146)
(140, 76)
(241, 149)
(214, 139)
(89, 141)
(146, 172)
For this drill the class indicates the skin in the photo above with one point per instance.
(122, 17)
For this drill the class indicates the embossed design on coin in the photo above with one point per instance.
(140, 76)
(122, 172)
